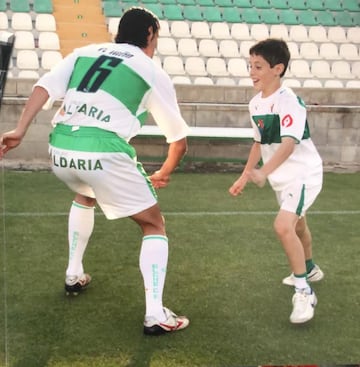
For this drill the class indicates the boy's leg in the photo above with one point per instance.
(80, 227)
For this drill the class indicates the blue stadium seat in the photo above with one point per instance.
(43, 6)
(3, 5)
(325, 18)
(307, 17)
(20, 6)
(297, 4)
(232, 15)
(212, 14)
(243, 3)
(193, 13)
(351, 5)
(250, 15)
(261, 4)
(279, 4)
(315, 4)
(269, 16)
(288, 17)
(172, 12)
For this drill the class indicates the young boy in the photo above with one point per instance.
(291, 163)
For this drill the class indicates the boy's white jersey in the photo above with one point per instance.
(280, 115)
(113, 87)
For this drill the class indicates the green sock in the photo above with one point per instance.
(309, 265)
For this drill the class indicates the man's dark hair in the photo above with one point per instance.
(274, 51)
(134, 26)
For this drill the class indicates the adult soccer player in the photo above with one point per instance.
(292, 166)
(107, 91)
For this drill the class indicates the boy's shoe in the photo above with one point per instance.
(315, 275)
(75, 284)
(303, 306)
(172, 323)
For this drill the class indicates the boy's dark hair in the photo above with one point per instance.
(274, 51)
(134, 26)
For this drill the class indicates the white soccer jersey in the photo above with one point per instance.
(119, 104)
(283, 114)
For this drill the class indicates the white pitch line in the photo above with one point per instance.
(190, 214)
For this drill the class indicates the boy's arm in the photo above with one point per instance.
(259, 176)
(253, 159)
(13, 138)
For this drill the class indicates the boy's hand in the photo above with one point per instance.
(159, 180)
(239, 185)
(9, 140)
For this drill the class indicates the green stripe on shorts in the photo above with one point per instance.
(89, 139)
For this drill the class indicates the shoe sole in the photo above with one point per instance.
(75, 290)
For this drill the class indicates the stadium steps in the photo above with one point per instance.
(79, 22)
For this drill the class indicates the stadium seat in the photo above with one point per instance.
(291, 83)
(329, 51)
(245, 47)
(307, 17)
(297, 4)
(205, 2)
(112, 9)
(180, 29)
(21, 22)
(300, 69)
(333, 5)
(269, 16)
(245, 82)
(187, 47)
(321, 69)
(173, 12)
(212, 14)
(312, 83)
(279, 31)
(173, 65)
(232, 15)
(208, 48)
(203, 80)
(4, 22)
(24, 40)
(298, 33)
(315, 4)
(259, 32)
(288, 17)
(351, 5)
(341, 70)
(325, 18)
(344, 18)
(353, 35)
(3, 6)
(224, 3)
(220, 30)
(242, 3)
(164, 28)
(167, 46)
(195, 66)
(261, 4)
(20, 6)
(216, 66)
(45, 23)
(27, 59)
(279, 4)
(181, 79)
(186, 2)
(318, 34)
(309, 51)
(353, 84)
(49, 59)
(43, 6)
(294, 50)
(193, 13)
(200, 30)
(240, 31)
(238, 67)
(333, 83)
(348, 51)
(355, 69)
(337, 34)
(28, 74)
(229, 48)
(157, 9)
(250, 16)
(49, 41)
(225, 81)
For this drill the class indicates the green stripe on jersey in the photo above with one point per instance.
(91, 74)
(89, 139)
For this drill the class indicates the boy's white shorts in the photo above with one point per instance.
(297, 198)
(119, 183)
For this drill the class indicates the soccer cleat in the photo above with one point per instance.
(74, 284)
(172, 323)
(315, 275)
(303, 306)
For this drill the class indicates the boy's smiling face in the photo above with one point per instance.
(266, 79)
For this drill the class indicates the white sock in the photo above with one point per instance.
(81, 224)
(153, 262)
(301, 283)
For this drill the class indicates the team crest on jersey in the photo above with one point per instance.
(287, 121)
